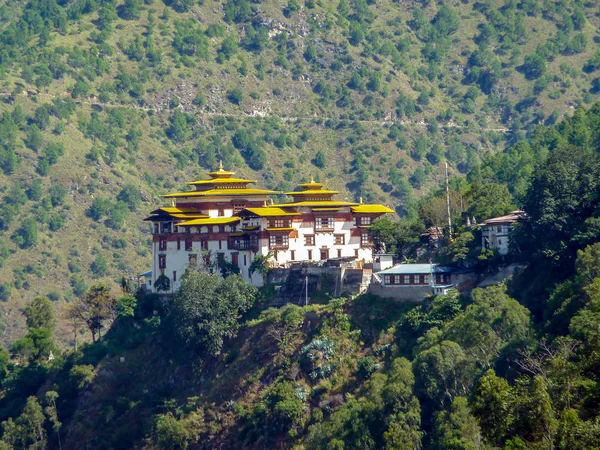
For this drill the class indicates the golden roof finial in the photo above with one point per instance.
(360, 200)
(312, 180)
(220, 165)
(172, 203)
(265, 204)
(272, 202)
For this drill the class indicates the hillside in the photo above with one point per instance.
(108, 105)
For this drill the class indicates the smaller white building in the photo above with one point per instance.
(413, 282)
(495, 233)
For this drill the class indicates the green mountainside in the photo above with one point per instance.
(106, 105)
(512, 366)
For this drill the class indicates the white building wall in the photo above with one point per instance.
(498, 240)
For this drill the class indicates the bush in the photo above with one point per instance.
(235, 96)
(99, 267)
(320, 159)
(81, 376)
(367, 366)
(318, 355)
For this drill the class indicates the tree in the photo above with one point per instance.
(94, 308)
(27, 432)
(207, 308)
(40, 314)
(443, 372)
(562, 195)
(396, 236)
(126, 306)
(320, 159)
(36, 346)
(457, 428)
(235, 96)
(99, 267)
(534, 66)
(52, 413)
(488, 200)
(130, 195)
(493, 405)
(162, 283)
(26, 235)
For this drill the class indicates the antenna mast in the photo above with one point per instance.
(448, 204)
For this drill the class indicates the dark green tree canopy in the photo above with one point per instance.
(207, 308)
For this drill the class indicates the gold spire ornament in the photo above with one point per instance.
(220, 165)
(172, 203)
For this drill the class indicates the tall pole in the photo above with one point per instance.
(448, 204)
(306, 292)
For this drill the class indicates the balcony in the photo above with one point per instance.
(324, 229)
(279, 246)
(242, 244)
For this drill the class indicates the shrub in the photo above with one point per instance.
(367, 366)
(318, 355)
(235, 96)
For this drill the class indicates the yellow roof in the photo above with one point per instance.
(316, 203)
(313, 192)
(172, 210)
(209, 221)
(222, 181)
(371, 209)
(190, 216)
(312, 184)
(222, 192)
(269, 211)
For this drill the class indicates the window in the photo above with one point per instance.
(339, 253)
(499, 229)
(278, 223)
(165, 227)
(309, 239)
(499, 241)
(220, 245)
(162, 261)
(221, 212)
(365, 220)
(406, 279)
(188, 230)
(356, 253)
(156, 228)
(324, 223)
(293, 255)
(365, 239)
(310, 255)
(178, 244)
(340, 239)
(204, 244)
(245, 261)
(235, 259)
(279, 241)
(387, 279)
(174, 275)
(162, 245)
(324, 254)
(188, 245)
(237, 207)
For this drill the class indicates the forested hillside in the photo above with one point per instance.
(511, 366)
(106, 105)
